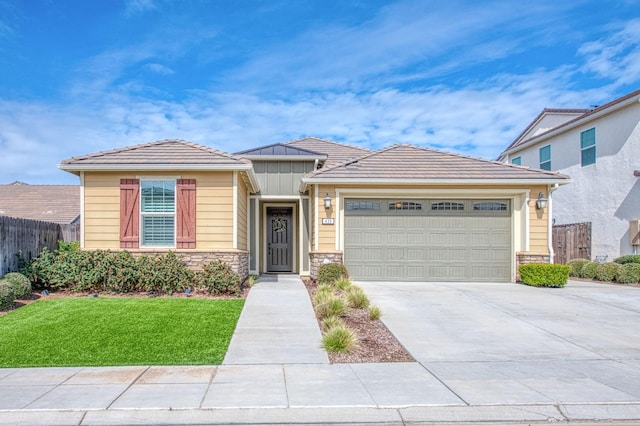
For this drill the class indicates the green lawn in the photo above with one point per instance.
(118, 331)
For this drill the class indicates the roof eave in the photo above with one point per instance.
(560, 180)
(570, 126)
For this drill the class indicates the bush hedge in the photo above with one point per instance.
(589, 270)
(21, 284)
(121, 272)
(629, 273)
(576, 266)
(330, 272)
(607, 271)
(7, 295)
(630, 258)
(544, 275)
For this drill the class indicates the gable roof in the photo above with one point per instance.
(408, 164)
(49, 203)
(168, 154)
(586, 116)
(280, 150)
(335, 152)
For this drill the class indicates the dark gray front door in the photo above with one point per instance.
(279, 239)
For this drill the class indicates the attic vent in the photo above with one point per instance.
(48, 212)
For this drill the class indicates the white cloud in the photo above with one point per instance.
(159, 69)
(479, 120)
(617, 56)
(133, 7)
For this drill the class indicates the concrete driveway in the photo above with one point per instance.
(516, 344)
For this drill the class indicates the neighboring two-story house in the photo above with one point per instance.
(600, 149)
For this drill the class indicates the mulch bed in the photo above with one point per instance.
(376, 342)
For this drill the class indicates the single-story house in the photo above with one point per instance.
(402, 213)
(47, 203)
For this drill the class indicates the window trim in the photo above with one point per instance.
(174, 214)
(592, 146)
(543, 163)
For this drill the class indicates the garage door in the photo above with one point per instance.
(428, 240)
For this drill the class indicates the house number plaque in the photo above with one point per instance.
(327, 221)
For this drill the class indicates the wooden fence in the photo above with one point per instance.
(25, 238)
(572, 241)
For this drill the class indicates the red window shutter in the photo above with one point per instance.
(186, 213)
(129, 213)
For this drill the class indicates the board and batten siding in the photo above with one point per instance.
(214, 211)
(281, 177)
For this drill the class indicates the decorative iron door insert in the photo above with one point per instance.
(279, 239)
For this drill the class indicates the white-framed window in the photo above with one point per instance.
(517, 161)
(158, 213)
(588, 147)
(545, 157)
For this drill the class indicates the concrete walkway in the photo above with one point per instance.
(277, 325)
(260, 383)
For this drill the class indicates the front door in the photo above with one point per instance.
(279, 239)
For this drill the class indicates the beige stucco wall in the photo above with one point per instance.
(214, 211)
(538, 221)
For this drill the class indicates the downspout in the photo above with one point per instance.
(551, 190)
(315, 164)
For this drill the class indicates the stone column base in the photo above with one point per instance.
(319, 258)
(524, 258)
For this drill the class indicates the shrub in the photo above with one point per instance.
(356, 297)
(544, 275)
(7, 295)
(629, 273)
(21, 285)
(332, 322)
(164, 274)
(375, 312)
(589, 270)
(339, 339)
(607, 271)
(330, 272)
(218, 278)
(576, 266)
(342, 283)
(629, 258)
(324, 293)
(333, 306)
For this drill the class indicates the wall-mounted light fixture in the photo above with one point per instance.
(541, 202)
(327, 201)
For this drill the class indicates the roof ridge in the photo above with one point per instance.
(326, 140)
(431, 150)
(278, 144)
(348, 162)
(154, 143)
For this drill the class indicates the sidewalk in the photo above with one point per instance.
(275, 373)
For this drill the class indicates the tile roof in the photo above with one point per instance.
(411, 163)
(50, 203)
(336, 152)
(279, 150)
(167, 152)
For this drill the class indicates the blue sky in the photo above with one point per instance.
(82, 76)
